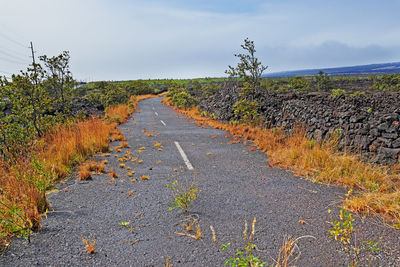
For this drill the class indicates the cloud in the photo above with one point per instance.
(114, 40)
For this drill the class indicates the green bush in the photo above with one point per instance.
(298, 83)
(245, 110)
(338, 92)
(183, 99)
(323, 81)
(209, 89)
(358, 93)
(388, 82)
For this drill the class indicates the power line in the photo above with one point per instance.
(12, 40)
(12, 56)
(9, 50)
(12, 61)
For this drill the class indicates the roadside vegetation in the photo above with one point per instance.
(43, 137)
(375, 188)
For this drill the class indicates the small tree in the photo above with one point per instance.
(249, 67)
(323, 81)
(59, 81)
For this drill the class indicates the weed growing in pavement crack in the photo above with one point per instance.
(343, 232)
(184, 194)
(289, 252)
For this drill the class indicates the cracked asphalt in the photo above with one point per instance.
(235, 186)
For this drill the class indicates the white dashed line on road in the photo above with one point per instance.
(163, 123)
(156, 113)
(185, 159)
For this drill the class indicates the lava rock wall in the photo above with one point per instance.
(368, 124)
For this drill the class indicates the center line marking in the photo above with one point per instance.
(163, 123)
(185, 159)
(156, 113)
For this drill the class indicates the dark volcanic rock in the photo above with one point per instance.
(369, 123)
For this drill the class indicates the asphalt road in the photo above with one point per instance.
(235, 185)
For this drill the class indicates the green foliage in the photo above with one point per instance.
(59, 82)
(299, 83)
(338, 92)
(388, 82)
(182, 99)
(13, 220)
(245, 110)
(114, 95)
(138, 87)
(358, 93)
(277, 85)
(323, 81)
(248, 68)
(33, 102)
(343, 231)
(184, 195)
(209, 89)
(244, 258)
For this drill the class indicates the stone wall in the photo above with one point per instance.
(368, 124)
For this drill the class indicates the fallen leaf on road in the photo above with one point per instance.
(302, 222)
(209, 153)
(140, 161)
(213, 136)
(144, 177)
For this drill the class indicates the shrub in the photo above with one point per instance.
(245, 110)
(298, 83)
(184, 100)
(338, 92)
(388, 82)
(358, 93)
(323, 81)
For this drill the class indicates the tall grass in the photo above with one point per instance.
(377, 188)
(23, 183)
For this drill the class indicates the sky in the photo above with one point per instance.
(142, 39)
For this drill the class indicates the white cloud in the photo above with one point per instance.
(142, 39)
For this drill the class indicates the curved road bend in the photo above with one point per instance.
(236, 185)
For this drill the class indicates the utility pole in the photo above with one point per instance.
(33, 57)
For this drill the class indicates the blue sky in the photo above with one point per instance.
(137, 39)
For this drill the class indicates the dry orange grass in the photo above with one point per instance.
(23, 184)
(73, 144)
(378, 187)
(86, 169)
(117, 135)
(18, 192)
(124, 144)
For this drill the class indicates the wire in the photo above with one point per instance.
(12, 61)
(12, 40)
(9, 50)
(12, 56)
